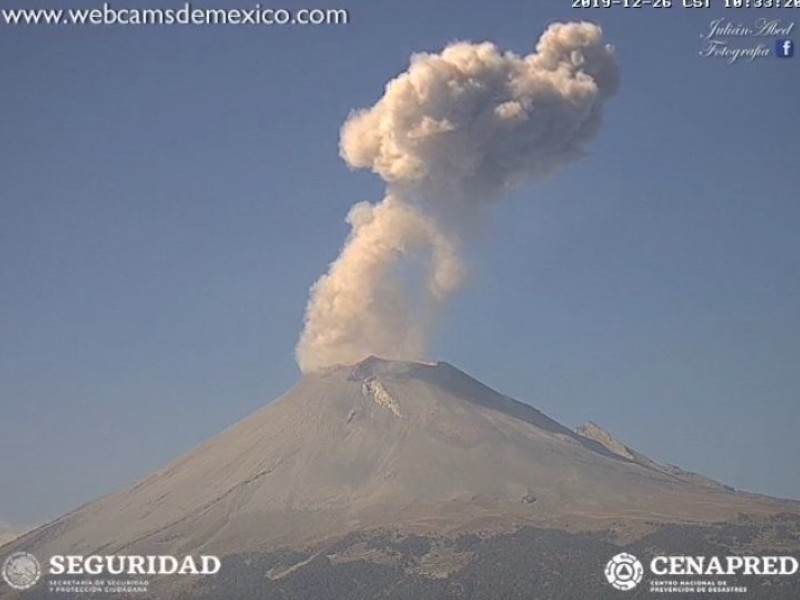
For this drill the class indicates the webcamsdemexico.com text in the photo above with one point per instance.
(186, 14)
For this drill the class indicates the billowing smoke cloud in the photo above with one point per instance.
(447, 137)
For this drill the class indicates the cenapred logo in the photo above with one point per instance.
(624, 571)
(21, 570)
(695, 574)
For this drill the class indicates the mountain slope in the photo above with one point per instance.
(594, 432)
(7, 533)
(416, 447)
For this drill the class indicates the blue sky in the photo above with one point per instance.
(168, 195)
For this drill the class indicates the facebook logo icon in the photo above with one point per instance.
(784, 48)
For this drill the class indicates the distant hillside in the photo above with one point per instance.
(7, 533)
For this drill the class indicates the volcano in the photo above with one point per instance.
(400, 479)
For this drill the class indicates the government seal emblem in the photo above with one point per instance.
(21, 570)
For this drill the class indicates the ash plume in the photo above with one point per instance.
(448, 137)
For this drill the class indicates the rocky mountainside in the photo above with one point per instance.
(594, 432)
(397, 449)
